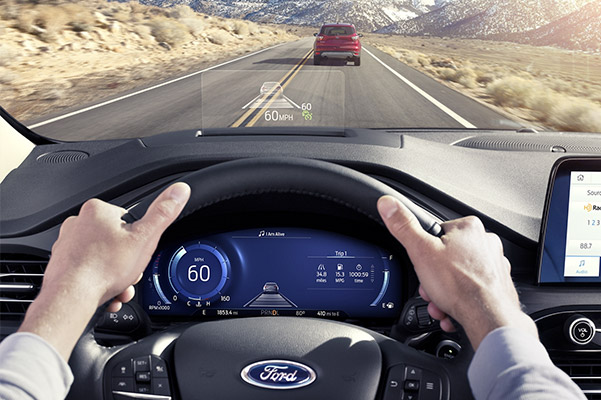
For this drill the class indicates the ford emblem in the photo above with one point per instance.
(278, 374)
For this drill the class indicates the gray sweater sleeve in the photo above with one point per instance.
(511, 364)
(30, 368)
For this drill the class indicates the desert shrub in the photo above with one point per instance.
(575, 114)
(219, 37)
(514, 91)
(448, 74)
(484, 77)
(555, 109)
(423, 60)
(44, 20)
(80, 17)
(409, 57)
(466, 77)
(240, 28)
(144, 31)
(53, 19)
(9, 10)
(137, 8)
(195, 25)
(253, 28)
(561, 86)
(181, 11)
(168, 31)
(222, 23)
(25, 21)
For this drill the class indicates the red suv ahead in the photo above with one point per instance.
(339, 41)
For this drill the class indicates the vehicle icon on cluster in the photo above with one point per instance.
(271, 87)
(271, 287)
(271, 95)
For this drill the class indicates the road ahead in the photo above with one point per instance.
(279, 86)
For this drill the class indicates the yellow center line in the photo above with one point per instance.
(262, 111)
(248, 112)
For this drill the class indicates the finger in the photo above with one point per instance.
(115, 306)
(403, 225)
(447, 325)
(126, 295)
(436, 312)
(138, 279)
(163, 210)
(507, 264)
(423, 294)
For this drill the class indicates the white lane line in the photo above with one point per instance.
(431, 99)
(49, 121)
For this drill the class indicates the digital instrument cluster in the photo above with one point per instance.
(273, 271)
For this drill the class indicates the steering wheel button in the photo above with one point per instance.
(158, 367)
(160, 386)
(394, 383)
(413, 373)
(142, 364)
(410, 396)
(431, 386)
(423, 318)
(412, 386)
(123, 369)
(123, 384)
(143, 388)
(143, 376)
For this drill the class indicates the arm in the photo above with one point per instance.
(464, 274)
(97, 257)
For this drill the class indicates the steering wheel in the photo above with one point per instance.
(310, 358)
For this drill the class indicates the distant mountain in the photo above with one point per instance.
(366, 15)
(574, 24)
(580, 30)
(481, 18)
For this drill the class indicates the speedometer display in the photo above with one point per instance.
(273, 271)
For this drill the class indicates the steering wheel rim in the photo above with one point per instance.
(239, 178)
(258, 176)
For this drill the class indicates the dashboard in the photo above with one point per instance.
(286, 276)
(273, 271)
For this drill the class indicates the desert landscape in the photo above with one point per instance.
(55, 54)
(547, 87)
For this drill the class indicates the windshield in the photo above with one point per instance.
(88, 70)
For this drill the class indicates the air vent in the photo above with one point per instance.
(585, 372)
(542, 144)
(20, 281)
(62, 157)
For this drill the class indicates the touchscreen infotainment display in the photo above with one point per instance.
(571, 250)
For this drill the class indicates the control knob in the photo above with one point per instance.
(579, 329)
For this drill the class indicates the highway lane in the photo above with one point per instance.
(280, 86)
